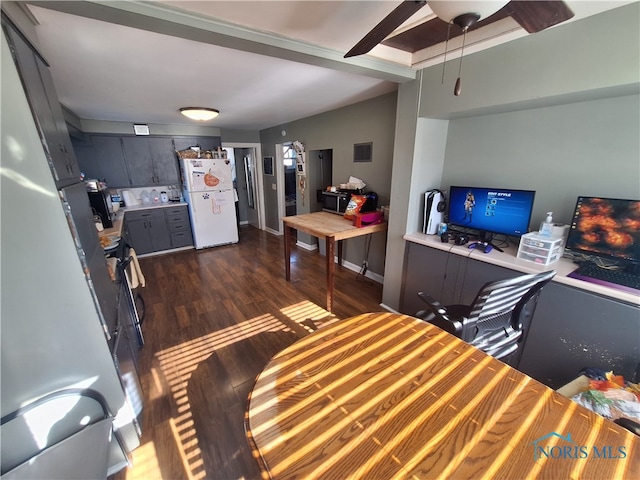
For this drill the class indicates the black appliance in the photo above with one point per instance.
(100, 207)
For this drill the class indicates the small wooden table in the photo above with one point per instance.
(382, 396)
(332, 228)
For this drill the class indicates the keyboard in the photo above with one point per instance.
(619, 279)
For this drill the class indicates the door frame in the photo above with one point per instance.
(280, 186)
(259, 195)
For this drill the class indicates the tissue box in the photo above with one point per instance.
(538, 249)
(368, 218)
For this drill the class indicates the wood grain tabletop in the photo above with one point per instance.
(382, 395)
(325, 224)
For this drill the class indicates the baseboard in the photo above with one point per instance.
(272, 231)
(306, 246)
(389, 309)
(244, 222)
(356, 268)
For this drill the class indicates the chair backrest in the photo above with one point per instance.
(499, 311)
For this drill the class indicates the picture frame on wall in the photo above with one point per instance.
(267, 165)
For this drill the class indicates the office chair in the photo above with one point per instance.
(496, 319)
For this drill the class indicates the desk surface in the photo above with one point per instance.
(325, 224)
(389, 396)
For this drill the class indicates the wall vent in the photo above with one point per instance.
(363, 152)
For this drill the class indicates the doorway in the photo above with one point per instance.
(290, 191)
(247, 182)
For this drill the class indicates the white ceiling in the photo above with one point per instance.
(261, 63)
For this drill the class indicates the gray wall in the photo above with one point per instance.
(369, 121)
(239, 136)
(586, 148)
(565, 99)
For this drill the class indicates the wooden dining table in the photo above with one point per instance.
(382, 395)
(333, 229)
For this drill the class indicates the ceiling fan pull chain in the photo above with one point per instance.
(458, 88)
(446, 46)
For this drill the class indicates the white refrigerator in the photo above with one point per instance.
(208, 189)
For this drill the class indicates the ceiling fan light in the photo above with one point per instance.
(199, 113)
(448, 10)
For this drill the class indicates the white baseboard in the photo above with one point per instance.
(389, 309)
(272, 231)
(244, 222)
(356, 268)
(306, 246)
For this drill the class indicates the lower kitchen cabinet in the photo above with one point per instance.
(157, 229)
(179, 226)
(572, 327)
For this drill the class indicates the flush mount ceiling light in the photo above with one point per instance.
(199, 113)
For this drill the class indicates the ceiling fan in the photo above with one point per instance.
(533, 16)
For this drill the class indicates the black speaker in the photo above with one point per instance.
(445, 237)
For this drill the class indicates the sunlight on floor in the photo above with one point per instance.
(179, 362)
(146, 462)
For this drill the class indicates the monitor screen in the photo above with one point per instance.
(492, 210)
(606, 227)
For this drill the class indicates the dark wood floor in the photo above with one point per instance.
(213, 320)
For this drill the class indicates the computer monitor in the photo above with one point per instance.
(606, 227)
(490, 210)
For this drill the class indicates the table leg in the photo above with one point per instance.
(287, 253)
(331, 246)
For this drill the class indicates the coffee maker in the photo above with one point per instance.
(100, 206)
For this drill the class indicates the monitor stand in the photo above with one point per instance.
(487, 237)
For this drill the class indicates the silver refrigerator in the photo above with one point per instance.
(70, 392)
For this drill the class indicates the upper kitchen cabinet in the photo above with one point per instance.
(151, 161)
(205, 143)
(43, 100)
(102, 157)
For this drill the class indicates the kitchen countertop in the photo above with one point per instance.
(147, 206)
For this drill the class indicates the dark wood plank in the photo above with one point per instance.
(214, 319)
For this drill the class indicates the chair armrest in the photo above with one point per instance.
(437, 314)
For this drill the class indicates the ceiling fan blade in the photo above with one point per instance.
(535, 16)
(392, 21)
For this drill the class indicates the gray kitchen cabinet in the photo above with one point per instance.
(165, 161)
(179, 226)
(151, 161)
(157, 229)
(102, 157)
(205, 143)
(147, 231)
(43, 100)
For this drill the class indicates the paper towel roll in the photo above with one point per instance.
(559, 230)
(129, 199)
